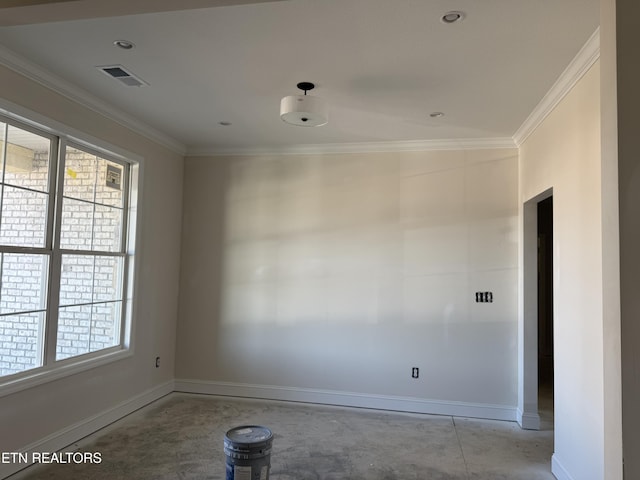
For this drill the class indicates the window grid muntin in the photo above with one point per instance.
(54, 155)
(26, 189)
(44, 268)
(60, 252)
(36, 133)
(94, 297)
(25, 312)
(126, 166)
(92, 203)
(48, 228)
(126, 191)
(45, 218)
(51, 247)
(86, 304)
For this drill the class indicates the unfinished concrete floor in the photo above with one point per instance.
(181, 437)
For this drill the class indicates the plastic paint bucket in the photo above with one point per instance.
(248, 452)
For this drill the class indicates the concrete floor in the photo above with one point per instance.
(181, 436)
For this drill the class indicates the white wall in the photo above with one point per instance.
(611, 248)
(31, 415)
(564, 154)
(339, 273)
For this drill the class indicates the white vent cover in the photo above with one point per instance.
(122, 75)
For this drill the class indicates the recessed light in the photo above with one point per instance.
(224, 124)
(124, 44)
(452, 17)
(436, 115)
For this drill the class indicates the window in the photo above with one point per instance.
(64, 250)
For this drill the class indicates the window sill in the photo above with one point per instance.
(62, 369)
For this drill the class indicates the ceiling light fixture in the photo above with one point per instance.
(124, 44)
(304, 110)
(452, 17)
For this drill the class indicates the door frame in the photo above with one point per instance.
(527, 410)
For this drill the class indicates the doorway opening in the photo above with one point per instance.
(535, 383)
(545, 311)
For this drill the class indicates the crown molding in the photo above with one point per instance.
(38, 74)
(365, 147)
(28, 69)
(580, 64)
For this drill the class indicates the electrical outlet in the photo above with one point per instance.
(157, 362)
(415, 372)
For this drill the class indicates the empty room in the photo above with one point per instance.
(382, 239)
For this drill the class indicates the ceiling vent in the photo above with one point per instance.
(122, 75)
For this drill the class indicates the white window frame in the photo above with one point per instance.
(63, 135)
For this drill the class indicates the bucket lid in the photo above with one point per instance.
(249, 435)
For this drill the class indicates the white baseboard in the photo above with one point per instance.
(72, 434)
(528, 421)
(348, 399)
(558, 470)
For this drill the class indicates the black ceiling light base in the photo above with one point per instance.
(305, 86)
